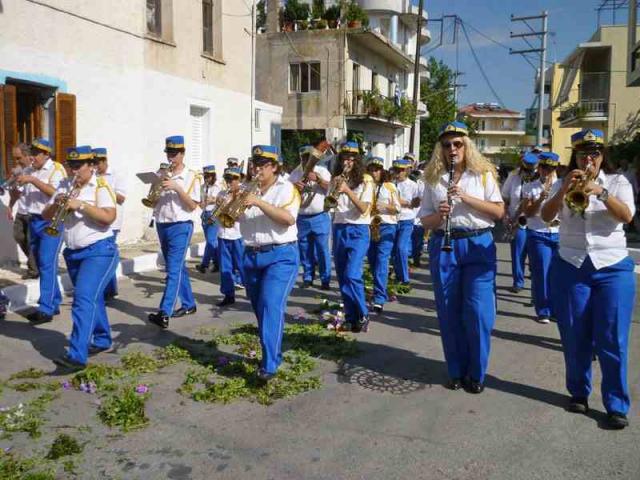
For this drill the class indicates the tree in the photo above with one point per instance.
(437, 93)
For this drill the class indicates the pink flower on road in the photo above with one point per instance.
(142, 389)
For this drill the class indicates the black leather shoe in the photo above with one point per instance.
(306, 284)
(472, 386)
(215, 268)
(68, 364)
(94, 350)
(265, 377)
(201, 268)
(515, 289)
(160, 319)
(454, 384)
(361, 326)
(578, 405)
(325, 287)
(181, 312)
(226, 301)
(617, 421)
(38, 318)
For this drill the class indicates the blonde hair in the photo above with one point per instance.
(474, 161)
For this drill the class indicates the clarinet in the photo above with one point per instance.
(446, 246)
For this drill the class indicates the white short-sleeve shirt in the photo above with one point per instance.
(258, 229)
(479, 185)
(511, 192)
(51, 173)
(210, 192)
(347, 212)
(420, 183)
(79, 229)
(387, 193)
(532, 191)
(21, 203)
(317, 202)
(407, 190)
(118, 184)
(598, 235)
(169, 208)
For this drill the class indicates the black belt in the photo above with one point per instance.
(458, 234)
(308, 215)
(266, 248)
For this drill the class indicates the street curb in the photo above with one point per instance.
(26, 294)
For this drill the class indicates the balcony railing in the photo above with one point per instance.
(370, 103)
(585, 110)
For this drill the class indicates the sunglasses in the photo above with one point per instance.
(261, 162)
(75, 164)
(589, 154)
(456, 143)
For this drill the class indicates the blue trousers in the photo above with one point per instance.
(417, 242)
(269, 278)
(378, 256)
(401, 250)
(594, 309)
(112, 286)
(90, 269)
(350, 245)
(313, 241)
(175, 238)
(46, 249)
(518, 256)
(230, 253)
(541, 247)
(211, 247)
(464, 282)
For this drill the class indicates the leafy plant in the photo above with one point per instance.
(64, 445)
(317, 9)
(355, 13)
(26, 417)
(139, 362)
(294, 10)
(15, 468)
(332, 14)
(30, 373)
(125, 409)
(103, 376)
(261, 15)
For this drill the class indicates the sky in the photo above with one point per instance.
(570, 23)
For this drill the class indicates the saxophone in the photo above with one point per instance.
(62, 208)
(331, 200)
(376, 219)
(156, 189)
(577, 199)
(228, 213)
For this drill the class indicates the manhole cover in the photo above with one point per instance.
(380, 382)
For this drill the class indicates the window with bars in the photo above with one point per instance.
(154, 17)
(304, 77)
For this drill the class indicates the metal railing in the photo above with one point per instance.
(585, 108)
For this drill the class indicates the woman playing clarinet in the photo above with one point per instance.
(464, 275)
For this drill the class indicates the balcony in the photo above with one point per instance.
(371, 105)
(584, 112)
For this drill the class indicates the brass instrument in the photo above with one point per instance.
(62, 208)
(156, 189)
(207, 216)
(228, 213)
(577, 199)
(331, 200)
(376, 219)
(10, 182)
(315, 155)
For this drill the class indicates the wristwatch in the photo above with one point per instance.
(604, 195)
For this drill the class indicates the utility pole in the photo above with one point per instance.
(542, 51)
(416, 77)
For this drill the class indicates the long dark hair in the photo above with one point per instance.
(356, 175)
(384, 175)
(605, 166)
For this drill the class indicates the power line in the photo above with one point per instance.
(484, 74)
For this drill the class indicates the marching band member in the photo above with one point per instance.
(173, 217)
(22, 157)
(39, 185)
(91, 254)
(462, 258)
(515, 221)
(117, 183)
(409, 200)
(542, 237)
(351, 233)
(209, 225)
(385, 206)
(418, 233)
(230, 244)
(268, 227)
(314, 224)
(593, 275)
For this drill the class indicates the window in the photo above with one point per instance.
(199, 141)
(207, 26)
(304, 77)
(483, 125)
(154, 17)
(503, 143)
(256, 120)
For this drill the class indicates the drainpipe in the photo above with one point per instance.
(416, 78)
(394, 30)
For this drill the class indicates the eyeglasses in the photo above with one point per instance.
(261, 162)
(589, 154)
(172, 153)
(457, 144)
(74, 164)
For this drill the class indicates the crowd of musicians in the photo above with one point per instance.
(262, 225)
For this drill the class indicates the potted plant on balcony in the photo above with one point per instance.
(372, 102)
(355, 16)
(332, 15)
(295, 13)
(317, 12)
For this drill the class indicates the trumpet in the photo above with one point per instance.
(228, 213)
(156, 189)
(331, 200)
(577, 198)
(62, 208)
(376, 219)
(10, 182)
